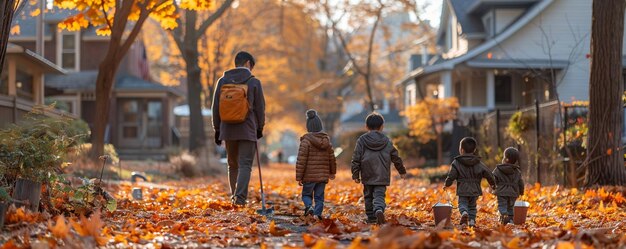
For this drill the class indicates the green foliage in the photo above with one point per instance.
(81, 200)
(348, 142)
(576, 135)
(518, 124)
(79, 129)
(36, 149)
(490, 156)
(408, 146)
(4, 194)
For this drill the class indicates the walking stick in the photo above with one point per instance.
(263, 210)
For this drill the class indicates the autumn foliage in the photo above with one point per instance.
(198, 213)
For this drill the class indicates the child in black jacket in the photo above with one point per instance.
(509, 184)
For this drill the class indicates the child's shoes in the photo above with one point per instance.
(308, 211)
(464, 218)
(380, 217)
(472, 223)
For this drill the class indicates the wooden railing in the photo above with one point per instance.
(12, 110)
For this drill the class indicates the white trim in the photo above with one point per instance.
(473, 109)
(74, 100)
(140, 94)
(491, 89)
(445, 91)
(27, 38)
(59, 49)
(95, 38)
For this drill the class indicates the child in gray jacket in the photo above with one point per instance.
(509, 184)
(371, 163)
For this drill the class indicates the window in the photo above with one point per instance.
(504, 90)
(68, 49)
(489, 24)
(24, 85)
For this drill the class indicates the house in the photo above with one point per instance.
(356, 122)
(505, 54)
(141, 120)
(21, 84)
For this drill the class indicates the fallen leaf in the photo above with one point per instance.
(513, 244)
(60, 229)
(274, 230)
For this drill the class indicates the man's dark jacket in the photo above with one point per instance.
(255, 121)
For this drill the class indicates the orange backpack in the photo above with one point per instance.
(234, 105)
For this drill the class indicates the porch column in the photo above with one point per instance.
(491, 90)
(38, 89)
(79, 103)
(445, 88)
(12, 76)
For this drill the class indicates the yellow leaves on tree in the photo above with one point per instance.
(422, 115)
(35, 12)
(60, 229)
(101, 13)
(15, 30)
(74, 23)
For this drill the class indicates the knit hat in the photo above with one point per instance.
(313, 122)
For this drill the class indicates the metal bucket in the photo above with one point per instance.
(442, 211)
(520, 210)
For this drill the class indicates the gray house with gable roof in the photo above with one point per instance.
(506, 54)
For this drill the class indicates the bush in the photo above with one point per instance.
(348, 143)
(518, 124)
(186, 164)
(36, 149)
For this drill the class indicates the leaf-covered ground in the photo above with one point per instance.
(197, 213)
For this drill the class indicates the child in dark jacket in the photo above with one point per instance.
(468, 171)
(371, 163)
(509, 184)
(315, 165)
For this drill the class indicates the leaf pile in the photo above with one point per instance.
(198, 213)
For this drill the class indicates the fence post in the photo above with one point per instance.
(567, 162)
(537, 158)
(15, 109)
(498, 128)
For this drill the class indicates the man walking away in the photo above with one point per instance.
(238, 119)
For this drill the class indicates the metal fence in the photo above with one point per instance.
(541, 157)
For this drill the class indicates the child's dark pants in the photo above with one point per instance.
(505, 204)
(374, 197)
(468, 204)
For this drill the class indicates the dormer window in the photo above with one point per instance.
(68, 50)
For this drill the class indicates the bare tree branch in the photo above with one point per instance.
(216, 15)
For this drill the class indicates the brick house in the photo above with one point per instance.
(141, 120)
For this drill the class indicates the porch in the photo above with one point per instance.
(22, 85)
(481, 88)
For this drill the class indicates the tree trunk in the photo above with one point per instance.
(368, 75)
(197, 136)
(104, 90)
(6, 16)
(606, 107)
